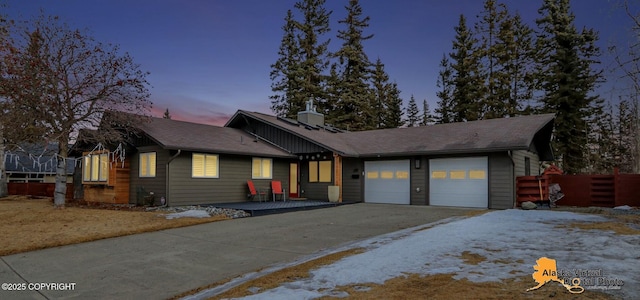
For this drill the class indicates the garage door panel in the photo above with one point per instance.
(387, 182)
(459, 182)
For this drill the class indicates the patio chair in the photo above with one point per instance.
(276, 189)
(253, 192)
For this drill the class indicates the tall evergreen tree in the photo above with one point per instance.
(444, 110)
(380, 92)
(518, 62)
(625, 135)
(466, 77)
(413, 114)
(313, 52)
(393, 108)
(567, 78)
(286, 74)
(354, 104)
(427, 117)
(299, 73)
(386, 101)
(489, 28)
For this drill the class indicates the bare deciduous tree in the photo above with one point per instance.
(62, 80)
(628, 60)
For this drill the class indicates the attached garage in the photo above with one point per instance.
(387, 181)
(459, 182)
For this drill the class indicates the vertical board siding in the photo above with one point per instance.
(286, 140)
(419, 180)
(142, 186)
(501, 181)
(230, 186)
(351, 180)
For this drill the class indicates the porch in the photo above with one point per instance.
(270, 207)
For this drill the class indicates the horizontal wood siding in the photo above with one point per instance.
(143, 186)
(117, 188)
(501, 181)
(313, 190)
(419, 180)
(352, 180)
(230, 186)
(519, 165)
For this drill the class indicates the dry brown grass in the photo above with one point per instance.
(414, 286)
(443, 286)
(620, 224)
(31, 224)
(290, 274)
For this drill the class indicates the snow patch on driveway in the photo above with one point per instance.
(510, 240)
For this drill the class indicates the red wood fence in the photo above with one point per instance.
(583, 190)
(37, 189)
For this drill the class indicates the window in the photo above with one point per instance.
(261, 168)
(147, 164)
(95, 168)
(204, 166)
(320, 171)
(527, 166)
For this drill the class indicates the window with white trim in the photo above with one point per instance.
(95, 168)
(204, 165)
(147, 164)
(261, 168)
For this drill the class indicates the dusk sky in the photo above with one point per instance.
(209, 58)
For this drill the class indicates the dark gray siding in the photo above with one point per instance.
(313, 190)
(286, 140)
(142, 186)
(519, 165)
(352, 180)
(501, 181)
(419, 180)
(230, 186)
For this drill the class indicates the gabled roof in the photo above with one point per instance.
(36, 159)
(322, 137)
(515, 133)
(174, 135)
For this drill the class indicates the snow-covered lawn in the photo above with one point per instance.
(510, 240)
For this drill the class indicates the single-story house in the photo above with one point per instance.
(35, 163)
(469, 164)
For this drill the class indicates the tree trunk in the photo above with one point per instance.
(61, 174)
(4, 191)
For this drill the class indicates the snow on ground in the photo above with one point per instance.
(188, 214)
(516, 236)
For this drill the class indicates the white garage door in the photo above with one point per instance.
(387, 182)
(459, 182)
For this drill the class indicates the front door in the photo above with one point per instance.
(293, 180)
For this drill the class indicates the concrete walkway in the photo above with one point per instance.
(162, 264)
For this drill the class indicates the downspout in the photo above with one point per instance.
(513, 178)
(167, 186)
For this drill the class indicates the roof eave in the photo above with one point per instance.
(214, 151)
(443, 152)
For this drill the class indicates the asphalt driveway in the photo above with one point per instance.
(162, 264)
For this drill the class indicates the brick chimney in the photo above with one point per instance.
(310, 115)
